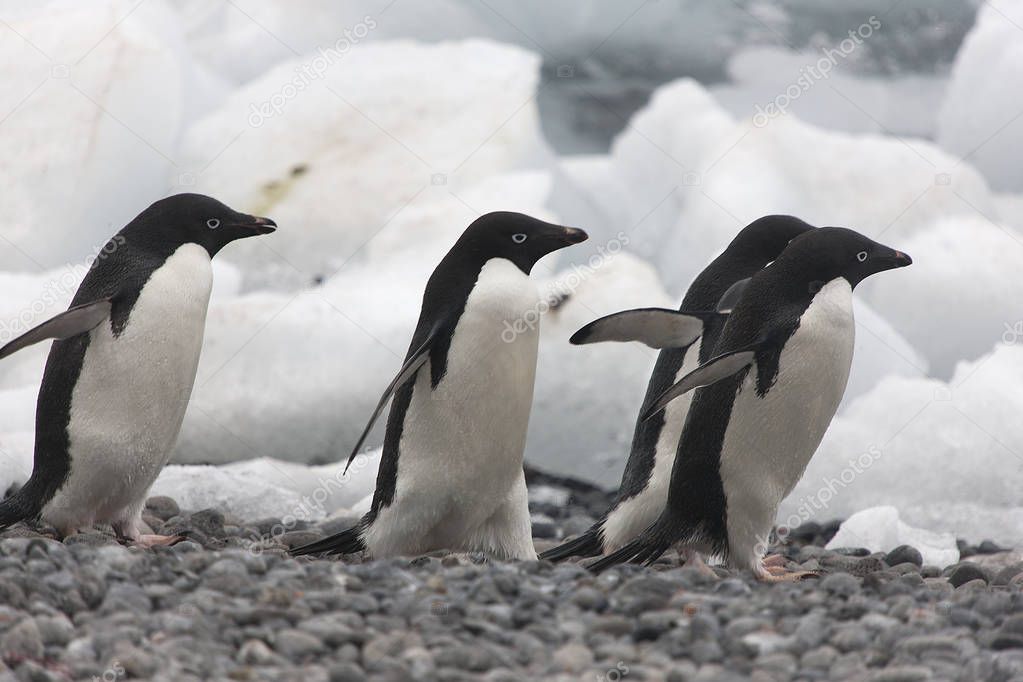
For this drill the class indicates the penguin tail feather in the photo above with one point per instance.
(586, 545)
(643, 550)
(21, 506)
(345, 542)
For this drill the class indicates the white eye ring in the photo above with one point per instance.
(518, 237)
(213, 223)
(861, 256)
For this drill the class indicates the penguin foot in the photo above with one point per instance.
(775, 560)
(780, 574)
(692, 559)
(157, 540)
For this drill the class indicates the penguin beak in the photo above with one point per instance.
(258, 225)
(902, 259)
(573, 235)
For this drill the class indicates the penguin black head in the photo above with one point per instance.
(193, 218)
(765, 238)
(517, 237)
(828, 253)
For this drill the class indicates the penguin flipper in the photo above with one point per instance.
(406, 373)
(71, 322)
(654, 327)
(732, 295)
(712, 371)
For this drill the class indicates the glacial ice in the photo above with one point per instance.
(880, 529)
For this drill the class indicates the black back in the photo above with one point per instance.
(755, 246)
(494, 235)
(766, 316)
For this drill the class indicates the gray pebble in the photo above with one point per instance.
(297, 645)
(22, 641)
(162, 507)
(841, 584)
(904, 554)
(964, 572)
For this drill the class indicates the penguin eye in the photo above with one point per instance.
(518, 237)
(861, 256)
(213, 223)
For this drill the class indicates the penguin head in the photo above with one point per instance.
(762, 240)
(828, 253)
(516, 237)
(197, 219)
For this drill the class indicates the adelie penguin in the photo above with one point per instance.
(119, 375)
(686, 339)
(451, 473)
(764, 402)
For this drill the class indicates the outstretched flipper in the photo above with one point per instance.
(712, 371)
(732, 295)
(71, 322)
(655, 327)
(408, 372)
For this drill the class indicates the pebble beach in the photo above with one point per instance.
(229, 604)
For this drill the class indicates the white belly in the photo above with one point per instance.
(462, 444)
(631, 517)
(770, 440)
(131, 395)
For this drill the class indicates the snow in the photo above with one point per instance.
(268, 488)
(961, 295)
(880, 529)
(587, 397)
(880, 351)
(938, 451)
(685, 176)
(979, 119)
(93, 102)
(335, 155)
(840, 99)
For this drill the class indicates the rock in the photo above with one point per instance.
(1003, 641)
(841, 584)
(964, 572)
(573, 658)
(732, 587)
(22, 641)
(162, 507)
(297, 645)
(346, 672)
(256, 652)
(208, 521)
(904, 554)
(989, 547)
(465, 657)
(1005, 576)
(55, 629)
(903, 673)
(544, 527)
